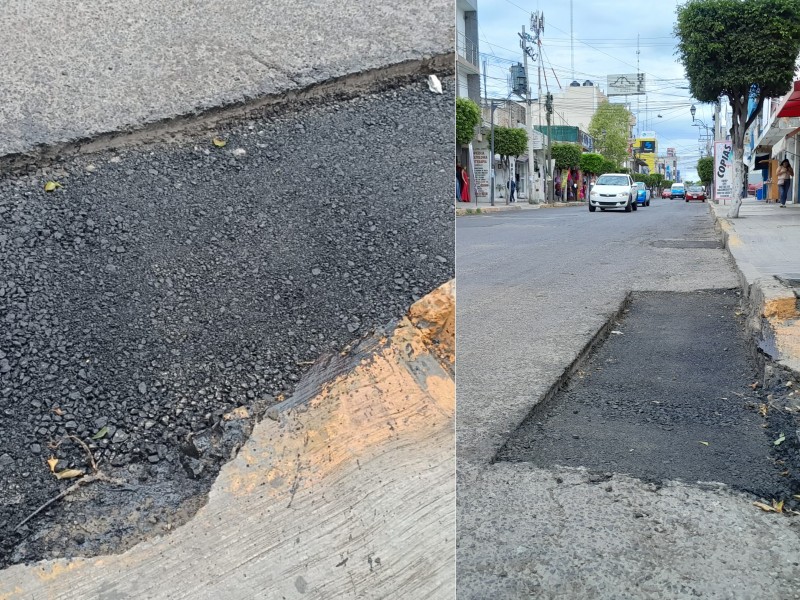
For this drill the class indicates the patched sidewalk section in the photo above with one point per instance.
(764, 242)
(344, 489)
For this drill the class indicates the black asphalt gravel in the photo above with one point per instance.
(673, 393)
(163, 287)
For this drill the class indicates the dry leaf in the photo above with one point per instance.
(52, 461)
(100, 433)
(753, 385)
(764, 507)
(796, 496)
(763, 410)
(68, 474)
(778, 506)
(780, 440)
(51, 186)
(58, 411)
(785, 474)
(218, 142)
(704, 443)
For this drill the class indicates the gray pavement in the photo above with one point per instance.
(73, 70)
(765, 245)
(534, 288)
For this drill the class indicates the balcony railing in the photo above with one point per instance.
(467, 49)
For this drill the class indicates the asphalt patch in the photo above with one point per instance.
(674, 393)
(161, 299)
(687, 244)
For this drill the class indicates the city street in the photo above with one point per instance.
(613, 431)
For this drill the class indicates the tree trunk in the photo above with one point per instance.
(739, 106)
(738, 183)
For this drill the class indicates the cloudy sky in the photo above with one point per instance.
(605, 42)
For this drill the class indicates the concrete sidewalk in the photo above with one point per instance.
(764, 242)
(74, 70)
(482, 207)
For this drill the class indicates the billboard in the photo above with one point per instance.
(631, 84)
(723, 172)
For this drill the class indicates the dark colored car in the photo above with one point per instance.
(695, 192)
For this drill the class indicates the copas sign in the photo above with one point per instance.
(723, 172)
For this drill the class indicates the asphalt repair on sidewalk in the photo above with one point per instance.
(672, 394)
(165, 295)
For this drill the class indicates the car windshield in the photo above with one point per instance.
(695, 188)
(640, 185)
(612, 180)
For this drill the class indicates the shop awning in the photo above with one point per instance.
(791, 103)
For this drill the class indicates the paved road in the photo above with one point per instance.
(166, 286)
(73, 69)
(534, 288)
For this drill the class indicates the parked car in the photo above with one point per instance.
(642, 194)
(695, 192)
(614, 190)
(678, 191)
(666, 193)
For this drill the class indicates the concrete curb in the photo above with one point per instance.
(772, 308)
(194, 123)
(462, 211)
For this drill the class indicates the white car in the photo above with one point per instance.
(613, 190)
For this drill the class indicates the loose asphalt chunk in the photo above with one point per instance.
(672, 394)
(161, 299)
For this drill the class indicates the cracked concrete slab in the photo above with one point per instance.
(345, 492)
(73, 70)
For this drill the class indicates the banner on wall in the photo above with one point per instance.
(481, 171)
(723, 172)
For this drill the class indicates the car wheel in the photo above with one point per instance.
(628, 207)
(635, 206)
(647, 203)
(687, 199)
(602, 210)
(592, 208)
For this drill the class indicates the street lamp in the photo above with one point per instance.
(693, 110)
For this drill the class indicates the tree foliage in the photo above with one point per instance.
(510, 141)
(705, 169)
(592, 163)
(468, 115)
(609, 166)
(739, 49)
(610, 127)
(567, 156)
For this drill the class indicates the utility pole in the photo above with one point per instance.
(537, 28)
(491, 158)
(638, 97)
(549, 183)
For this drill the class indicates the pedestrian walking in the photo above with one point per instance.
(458, 181)
(785, 174)
(512, 187)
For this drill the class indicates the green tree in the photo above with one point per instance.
(705, 169)
(609, 166)
(725, 54)
(468, 115)
(610, 127)
(567, 156)
(509, 141)
(592, 163)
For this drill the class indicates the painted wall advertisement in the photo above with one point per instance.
(482, 187)
(723, 172)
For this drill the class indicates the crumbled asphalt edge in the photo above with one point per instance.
(197, 123)
(164, 286)
(779, 389)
